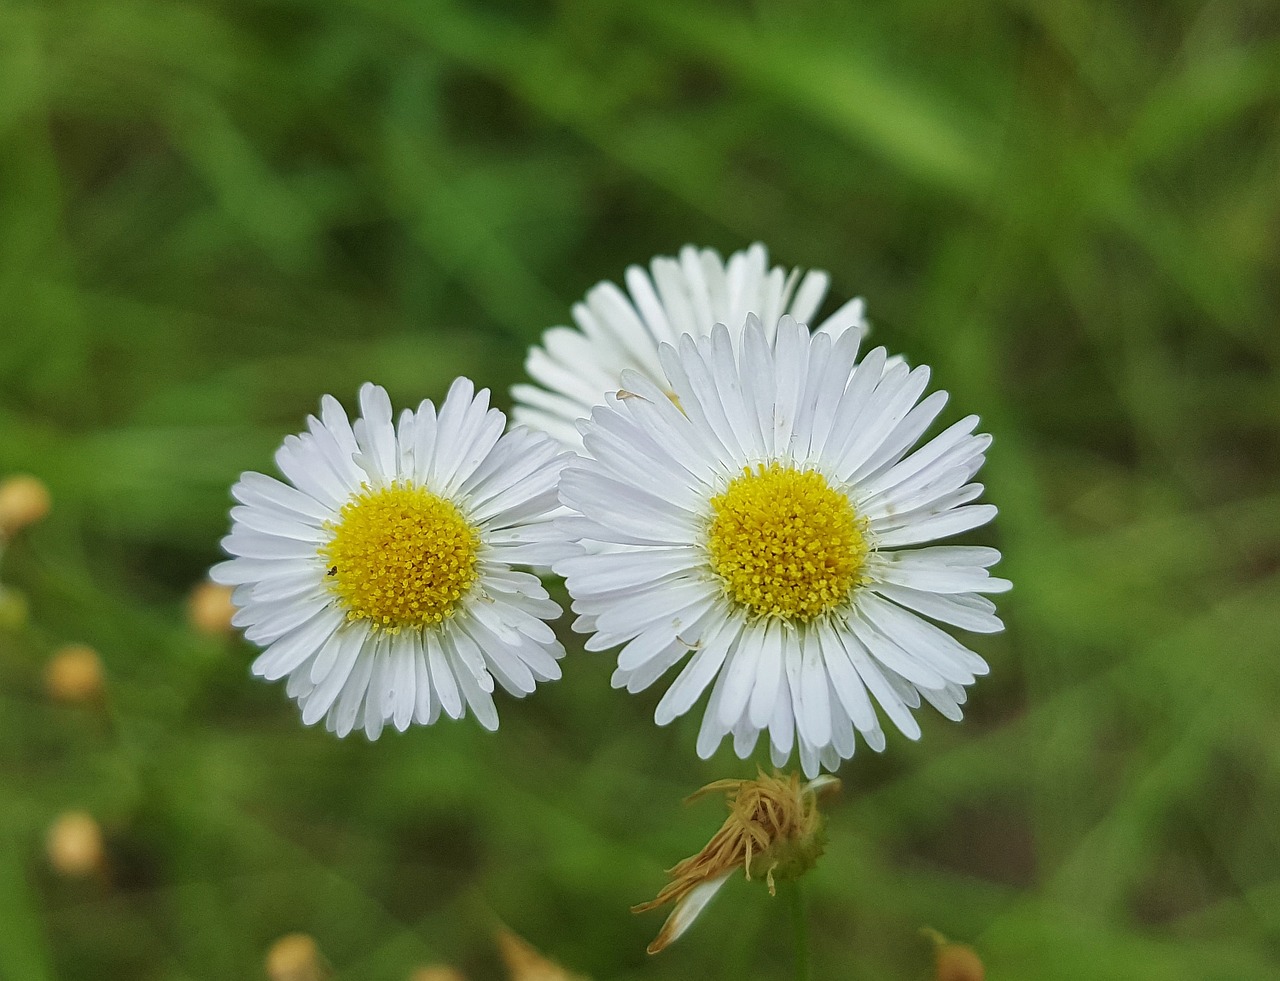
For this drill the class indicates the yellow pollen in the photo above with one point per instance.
(400, 557)
(786, 543)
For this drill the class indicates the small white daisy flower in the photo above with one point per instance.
(756, 507)
(576, 368)
(379, 578)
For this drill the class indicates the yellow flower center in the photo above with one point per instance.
(785, 542)
(400, 557)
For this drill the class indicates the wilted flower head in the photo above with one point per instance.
(774, 831)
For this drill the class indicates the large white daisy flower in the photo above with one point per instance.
(756, 507)
(576, 367)
(379, 578)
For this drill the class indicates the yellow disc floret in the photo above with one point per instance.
(400, 557)
(785, 542)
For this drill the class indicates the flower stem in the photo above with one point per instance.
(799, 928)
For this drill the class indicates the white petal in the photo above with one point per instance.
(640, 678)
(259, 490)
(375, 434)
(769, 674)
(405, 690)
(346, 644)
(845, 680)
(692, 681)
(740, 670)
(344, 712)
(686, 911)
(442, 678)
(888, 653)
(427, 707)
(290, 651)
(814, 713)
(881, 687)
(942, 525)
(965, 610)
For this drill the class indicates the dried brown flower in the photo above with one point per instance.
(774, 831)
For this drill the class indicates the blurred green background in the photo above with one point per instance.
(212, 212)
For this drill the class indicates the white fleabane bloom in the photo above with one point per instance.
(379, 578)
(757, 507)
(576, 367)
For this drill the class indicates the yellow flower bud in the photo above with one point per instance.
(24, 500)
(209, 609)
(954, 962)
(73, 845)
(74, 674)
(295, 957)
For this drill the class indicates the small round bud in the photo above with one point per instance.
(954, 962)
(74, 674)
(437, 972)
(295, 957)
(957, 962)
(24, 500)
(209, 609)
(73, 844)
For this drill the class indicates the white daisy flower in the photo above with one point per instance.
(576, 368)
(756, 507)
(379, 578)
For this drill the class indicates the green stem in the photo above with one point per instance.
(799, 928)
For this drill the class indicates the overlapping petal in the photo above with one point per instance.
(616, 330)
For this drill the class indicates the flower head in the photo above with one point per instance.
(774, 830)
(379, 578)
(576, 367)
(761, 519)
